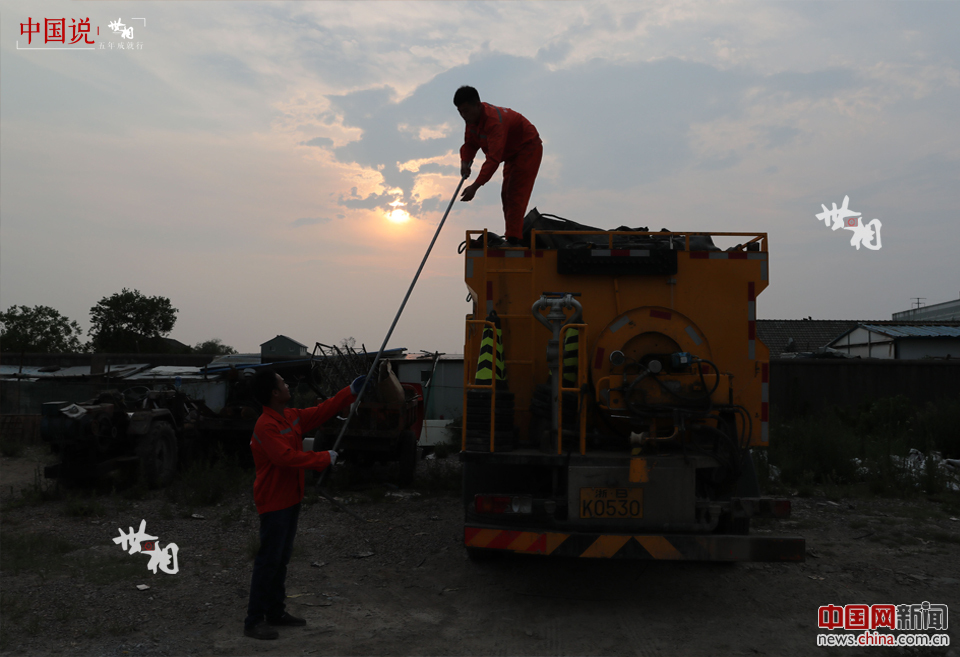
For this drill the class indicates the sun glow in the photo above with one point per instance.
(398, 215)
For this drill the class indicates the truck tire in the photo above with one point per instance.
(157, 451)
(408, 458)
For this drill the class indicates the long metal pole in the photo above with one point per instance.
(376, 361)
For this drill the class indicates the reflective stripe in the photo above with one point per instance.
(287, 430)
(620, 324)
(257, 438)
(485, 362)
(571, 355)
(693, 335)
(296, 422)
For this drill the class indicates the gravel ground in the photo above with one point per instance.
(401, 584)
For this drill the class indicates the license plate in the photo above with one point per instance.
(611, 502)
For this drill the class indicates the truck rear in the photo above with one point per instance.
(614, 389)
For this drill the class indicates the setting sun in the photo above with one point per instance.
(398, 215)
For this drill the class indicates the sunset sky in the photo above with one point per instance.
(245, 158)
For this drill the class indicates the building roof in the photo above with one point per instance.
(946, 311)
(914, 330)
(807, 334)
(812, 334)
(299, 344)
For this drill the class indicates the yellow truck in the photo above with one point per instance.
(614, 389)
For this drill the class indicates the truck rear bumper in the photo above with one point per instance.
(686, 547)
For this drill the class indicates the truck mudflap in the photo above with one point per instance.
(686, 547)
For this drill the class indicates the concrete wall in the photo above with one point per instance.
(799, 387)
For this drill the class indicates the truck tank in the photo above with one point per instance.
(614, 390)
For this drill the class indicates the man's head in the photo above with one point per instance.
(467, 100)
(269, 388)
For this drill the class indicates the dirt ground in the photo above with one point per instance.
(401, 583)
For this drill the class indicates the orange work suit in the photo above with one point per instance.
(277, 446)
(506, 136)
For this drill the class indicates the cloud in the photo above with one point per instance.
(322, 142)
(310, 221)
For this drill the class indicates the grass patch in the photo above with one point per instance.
(209, 482)
(843, 452)
(12, 444)
(31, 552)
(40, 491)
(82, 507)
(439, 477)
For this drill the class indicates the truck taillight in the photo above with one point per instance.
(503, 503)
(781, 508)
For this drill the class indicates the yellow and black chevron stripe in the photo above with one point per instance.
(689, 547)
(571, 356)
(485, 363)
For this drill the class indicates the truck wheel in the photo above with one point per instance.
(158, 454)
(408, 458)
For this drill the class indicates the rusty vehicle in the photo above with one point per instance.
(121, 431)
(614, 388)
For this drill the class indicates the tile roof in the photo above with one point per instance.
(811, 334)
(807, 334)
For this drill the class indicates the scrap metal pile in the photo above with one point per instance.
(334, 368)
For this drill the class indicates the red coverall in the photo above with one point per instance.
(277, 446)
(506, 136)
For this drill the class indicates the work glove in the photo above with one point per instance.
(357, 385)
(333, 457)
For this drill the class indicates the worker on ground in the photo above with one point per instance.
(277, 446)
(504, 136)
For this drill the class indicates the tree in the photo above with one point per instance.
(131, 322)
(40, 329)
(214, 346)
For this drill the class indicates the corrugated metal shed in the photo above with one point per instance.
(914, 331)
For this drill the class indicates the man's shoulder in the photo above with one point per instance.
(270, 417)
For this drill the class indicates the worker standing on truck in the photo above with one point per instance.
(504, 136)
(277, 446)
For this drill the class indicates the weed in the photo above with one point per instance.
(868, 446)
(31, 552)
(40, 491)
(206, 483)
(936, 427)
(233, 515)
(138, 490)
(11, 444)
(439, 477)
(80, 507)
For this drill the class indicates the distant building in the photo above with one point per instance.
(901, 341)
(800, 335)
(948, 311)
(282, 348)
